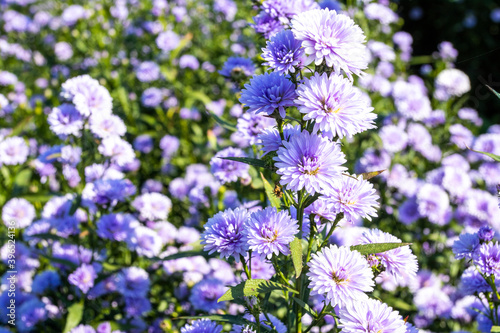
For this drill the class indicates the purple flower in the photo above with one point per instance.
(235, 66)
(465, 246)
(144, 143)
(167, 41)
(269, 231)
(250, 125)
(13, 151)
(148, 71)
(433, 203)
(370, 316)
(471, 115)
(401, 263)
(432, 302)
(341, 275)
(116, 226)
(152, 206)
(224, 233)
(189, 61)
(83, 329)
(488, 143)
(456, 182)
(83, 277)
(309, 161)
(267, 93)
(266, 25)
(63, 51)
(145, 242)
(461, 136)
(393, 138)
(354, 197)
(335, 105)
(278, 326)
(381, 13)
(30, 313)
(414, 106)
(447, 51)
(373, 160)
(472, 282)
(486, 233)
(133, 282)
(202, 326)
(169, 145)
(487, 259)
(118, 150)
(106, 125)
(283, 53)
(108, 191)
(408, 211)
(451, 82)
(152, 97)
(88, 95)
(270, 138)
(205, 294)
(227, 171)
(44, 281)
(418, 136)
(65, 120)
(333, 38)
(18, 210)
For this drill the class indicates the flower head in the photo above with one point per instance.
(18, 210)
(227, 171)
(309, 161)
(234, 66)
(224, 233)
(205, 294)
(270, 138)
(267, 93)
(487, 258)
(250, 125)
(13, 151)
(335, 105)
(65, 120)
(433, 203)
(451, 82)
(333, 38)
(133, 282)
(269, 231)
(370, 316)
(152, 206)
(341, 275)
(83, 277)
(283, 52)
(202, 326)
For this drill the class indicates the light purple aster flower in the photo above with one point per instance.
(414, 106)
(283, 53)
(83, 277)
(269, 231)
(88, 95)
(152, 97)
(393, 138)
(18, 210)
(267, 93)
(169, 145)
(65, 120)
(106, 125)
(152, 206)
(486, 233)
(205, 294)
(145, 242)
(432, 302)
(235, 66)
(7, 78)
(202, 326)
(418, 136)
(270, 138)
(119, 150)
(63, 51)
(472, 282)
(451, 82)
(250, 125)
(488, 143)
(116, 226)
(433, 203)
(133, 282)
(227, 171)
(461, 135)
(370, 316)
(29, 313)
(373, 160)
(335, 105)
(401, 263)
(447, 51)
(83, 329)
(13, 151)
(465, 246)
(167, 41)
(224, 233)
(148, 71)
(309, 161)
(490, 173)
(108, 191)
(144, 143)
(354, 197)
(279, 327)
(456, 182)
(333, 38)
(189, 61)
(471, 115)
(341, 275)
(487, 258)
(266, 25)
(381, 13)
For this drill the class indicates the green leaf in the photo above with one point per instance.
(253, 287)
(75, 204)
(23, 178)
(251, 161)
(224, 123)
(20, 126)
(495, 329)
(75, 314)
(498, 95)
(238, 320)
(46, 235)
(184, 254)
(305, 307)
(311, 199)
(275, 201)
(296, 249)
(369, 175)
(493, 156)
(373, 248)
(58, 260)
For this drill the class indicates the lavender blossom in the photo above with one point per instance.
(283, 53)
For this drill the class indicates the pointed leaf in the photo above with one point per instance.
(20, 126)
(498, 95)
(251, 161)
(311, 199)
(369, 175)
(296, 249)
(253, 287)
(305, 307)
(224, 123)
(495, 329)
(75, 204)
(373, 248)
(75, 314)
(275, 201)
(493, 156)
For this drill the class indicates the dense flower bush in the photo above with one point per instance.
(209, 166)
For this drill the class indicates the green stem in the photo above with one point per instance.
(332, 229)
(245, 267)
(280, 128)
